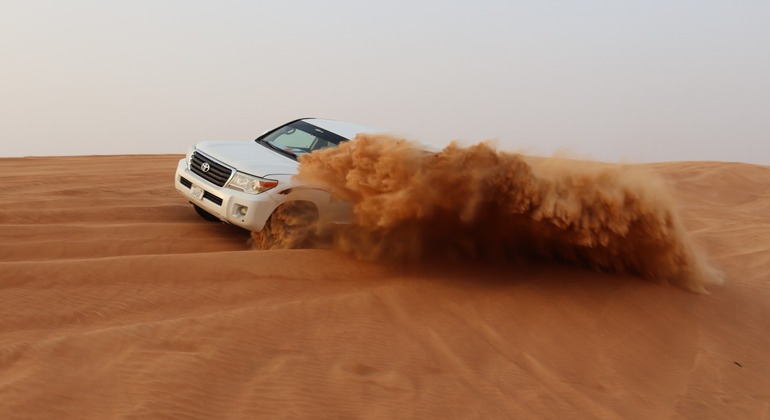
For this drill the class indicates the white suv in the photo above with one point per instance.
(244, 183)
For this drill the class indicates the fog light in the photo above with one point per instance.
(241, 210)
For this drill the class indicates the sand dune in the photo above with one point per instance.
(119, 302)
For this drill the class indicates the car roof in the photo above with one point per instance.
(342, 128)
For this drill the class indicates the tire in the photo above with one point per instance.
(291, 226)
(206, 215)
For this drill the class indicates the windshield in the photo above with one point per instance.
(299, 137)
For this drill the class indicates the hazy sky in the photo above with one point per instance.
(638, 81)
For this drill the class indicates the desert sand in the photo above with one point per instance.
(118, 301)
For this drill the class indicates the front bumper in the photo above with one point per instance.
(226, 204)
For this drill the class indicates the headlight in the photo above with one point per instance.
(251, 184)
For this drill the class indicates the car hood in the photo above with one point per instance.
(250, 157)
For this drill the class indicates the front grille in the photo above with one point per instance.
(207, 195)
(216, 174)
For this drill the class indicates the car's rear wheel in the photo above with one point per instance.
(206, 215)
(291, 226)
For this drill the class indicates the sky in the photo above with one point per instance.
(644, 81)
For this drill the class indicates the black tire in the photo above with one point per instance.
(291, 226)
(206, 215)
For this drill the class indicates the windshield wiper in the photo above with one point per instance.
(277, 149)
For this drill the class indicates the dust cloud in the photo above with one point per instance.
(477, 203)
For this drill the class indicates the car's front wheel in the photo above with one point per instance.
(291, 226)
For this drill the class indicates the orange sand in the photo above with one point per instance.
(119, 302)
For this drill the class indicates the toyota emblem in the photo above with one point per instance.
(205, 166)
